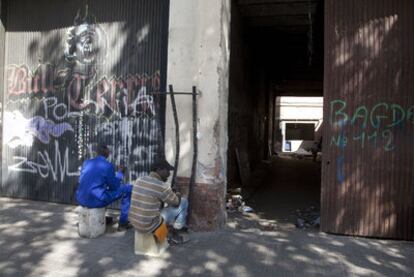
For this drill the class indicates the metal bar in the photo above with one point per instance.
(177, 137)
(195, 150)
(175, 93)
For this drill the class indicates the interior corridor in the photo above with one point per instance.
(287, 188)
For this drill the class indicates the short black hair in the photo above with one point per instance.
(102, 150)
(161, 164)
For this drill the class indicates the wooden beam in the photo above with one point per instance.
(299, 30)
(276, 9)
(299, 85)
(262, 2)
(279, 21)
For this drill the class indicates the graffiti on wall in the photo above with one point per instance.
(110, 96)
(373, 125)
(86, 41)
(370, 125)
(54, 117)
(37, 126)
(118, 110)
(58, 166)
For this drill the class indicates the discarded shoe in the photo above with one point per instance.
(124, 227)
(183, 230)
(177, 237)
(300, 223)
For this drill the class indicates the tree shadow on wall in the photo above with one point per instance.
(78, 79)
(366, 187)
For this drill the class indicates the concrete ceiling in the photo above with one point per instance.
(288, 15)
(287, 37)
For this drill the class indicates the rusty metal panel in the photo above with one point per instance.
(78, 75)
(367, 170)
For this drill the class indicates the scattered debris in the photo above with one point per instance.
(303, 152)
(247, 209)
(300, 223)
(270, 227)
(309, 217)
(316, 222)
(235, 202)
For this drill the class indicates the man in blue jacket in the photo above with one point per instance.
(99, 186)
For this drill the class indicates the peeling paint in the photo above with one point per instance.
(205, 174)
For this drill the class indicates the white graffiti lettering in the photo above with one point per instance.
(58, 111)
(58, 169)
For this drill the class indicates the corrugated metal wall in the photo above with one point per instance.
(2, 44)
(78, 75)
(367, 176)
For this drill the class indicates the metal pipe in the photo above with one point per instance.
(177, 137)
(176, 93)
(195, 150)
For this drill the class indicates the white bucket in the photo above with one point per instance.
(91, 222)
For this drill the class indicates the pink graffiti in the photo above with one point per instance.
(20, 80)
(74, 91)
(126, 93)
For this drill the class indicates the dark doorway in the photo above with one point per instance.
(276, 52)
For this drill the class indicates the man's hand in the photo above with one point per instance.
(178, 194)
(122, 168)
(120, 172)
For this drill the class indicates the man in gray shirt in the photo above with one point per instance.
(147, 212)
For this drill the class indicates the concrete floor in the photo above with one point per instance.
(285, 186)
(40, 239)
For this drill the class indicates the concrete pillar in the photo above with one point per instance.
(198, 54)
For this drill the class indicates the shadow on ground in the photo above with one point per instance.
(283, 187)
(40, 239)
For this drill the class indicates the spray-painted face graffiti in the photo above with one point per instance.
(86, 44)
(85, 49)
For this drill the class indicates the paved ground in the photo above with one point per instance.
(40, 239)
(285, 185)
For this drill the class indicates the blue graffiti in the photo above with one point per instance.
(370, 126)
(44, 128)
(381, 116)
(340, 176)
(341, 158)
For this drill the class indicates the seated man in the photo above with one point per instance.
(99, 186)
(148, 214)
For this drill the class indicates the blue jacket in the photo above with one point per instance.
(97, 179)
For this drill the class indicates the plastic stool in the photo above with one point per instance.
(145, 244)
